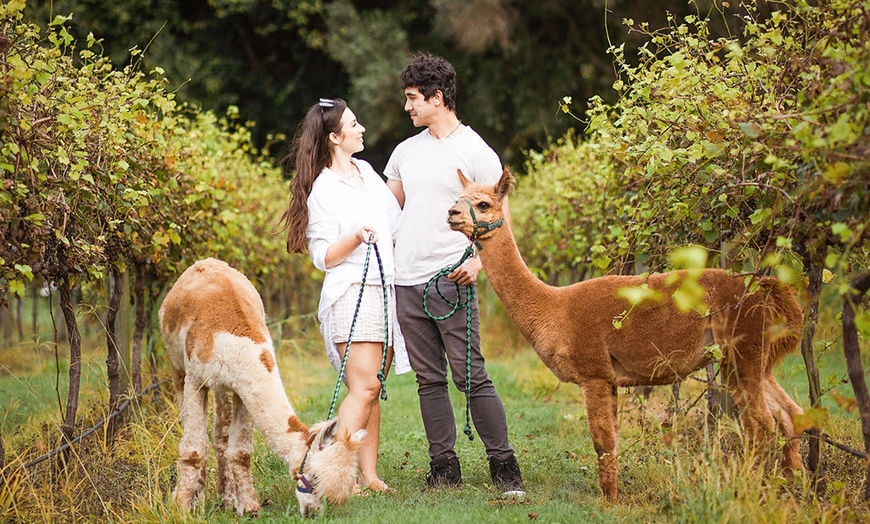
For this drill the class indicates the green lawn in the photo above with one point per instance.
(673, 469)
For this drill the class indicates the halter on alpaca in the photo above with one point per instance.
(571, 329)
(214, 326)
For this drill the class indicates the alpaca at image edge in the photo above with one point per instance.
(572, 330)
(214, 326)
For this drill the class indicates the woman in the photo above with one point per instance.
(338, 204)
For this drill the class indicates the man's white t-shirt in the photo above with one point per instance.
(427, 168)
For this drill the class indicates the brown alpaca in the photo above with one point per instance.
(214, 326)
(571, 329)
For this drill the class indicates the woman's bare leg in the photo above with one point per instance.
(360, 409)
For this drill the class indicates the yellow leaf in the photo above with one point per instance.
(637, 294)
(14, 6)
(160, 238)
(836, 173)
(845, 403)
(689, 257)
(813, 418)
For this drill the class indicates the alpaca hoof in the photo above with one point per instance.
(242, 505)
(249, 505)
(183, 501)
(251, 508)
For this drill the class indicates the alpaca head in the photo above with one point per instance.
(478, 211)
(330, 467)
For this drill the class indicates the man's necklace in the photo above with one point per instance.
(454, 130)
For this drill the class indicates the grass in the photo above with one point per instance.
(674, 468)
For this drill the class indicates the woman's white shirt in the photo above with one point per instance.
(337, 208)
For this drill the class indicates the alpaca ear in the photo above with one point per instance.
(462, 178)
(504, 184)
(327, 434)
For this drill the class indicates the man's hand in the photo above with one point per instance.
(466, 274)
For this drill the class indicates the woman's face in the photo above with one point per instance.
(350, 139)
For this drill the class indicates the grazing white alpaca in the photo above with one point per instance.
(571, 329)
(214, 327)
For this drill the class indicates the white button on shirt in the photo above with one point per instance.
(337, 208)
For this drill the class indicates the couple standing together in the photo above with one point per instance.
(338, 205)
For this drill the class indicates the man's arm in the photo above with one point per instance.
(398, 190)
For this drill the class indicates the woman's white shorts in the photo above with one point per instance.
(369, 325)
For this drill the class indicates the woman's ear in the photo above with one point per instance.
(335, 139)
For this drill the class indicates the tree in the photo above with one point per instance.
(273, 58)
(103, 172)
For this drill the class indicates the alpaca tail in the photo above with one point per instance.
(785, 320)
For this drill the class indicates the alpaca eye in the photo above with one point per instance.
(483, 206)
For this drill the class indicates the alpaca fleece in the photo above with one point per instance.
(214, 326)
(571, 329)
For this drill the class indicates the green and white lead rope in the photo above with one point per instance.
(479, 228)
(382, 373)
(303, 485)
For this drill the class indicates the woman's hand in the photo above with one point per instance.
(339, 251)
(365, 233)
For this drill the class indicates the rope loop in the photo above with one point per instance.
(454, 307)
(478, 229)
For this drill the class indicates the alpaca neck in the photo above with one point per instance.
(523, 295)
(273, 415)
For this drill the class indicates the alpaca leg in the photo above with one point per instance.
(239, 453)
(193, 447)
(178, 381)
(601, 412)
(223, 414)
(747, 389)
(784, 410)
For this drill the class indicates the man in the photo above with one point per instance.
(422, 173)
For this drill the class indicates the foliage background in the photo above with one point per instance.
(273, 58)
(743, 135)
(755, 147)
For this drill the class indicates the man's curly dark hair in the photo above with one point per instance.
(430, 73)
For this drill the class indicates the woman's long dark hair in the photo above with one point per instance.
(310, 152)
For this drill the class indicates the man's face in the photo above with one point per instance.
(419, 109)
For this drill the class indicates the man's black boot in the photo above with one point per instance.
(444, 472)
(506, 476)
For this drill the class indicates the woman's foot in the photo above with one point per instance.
(378, 485)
